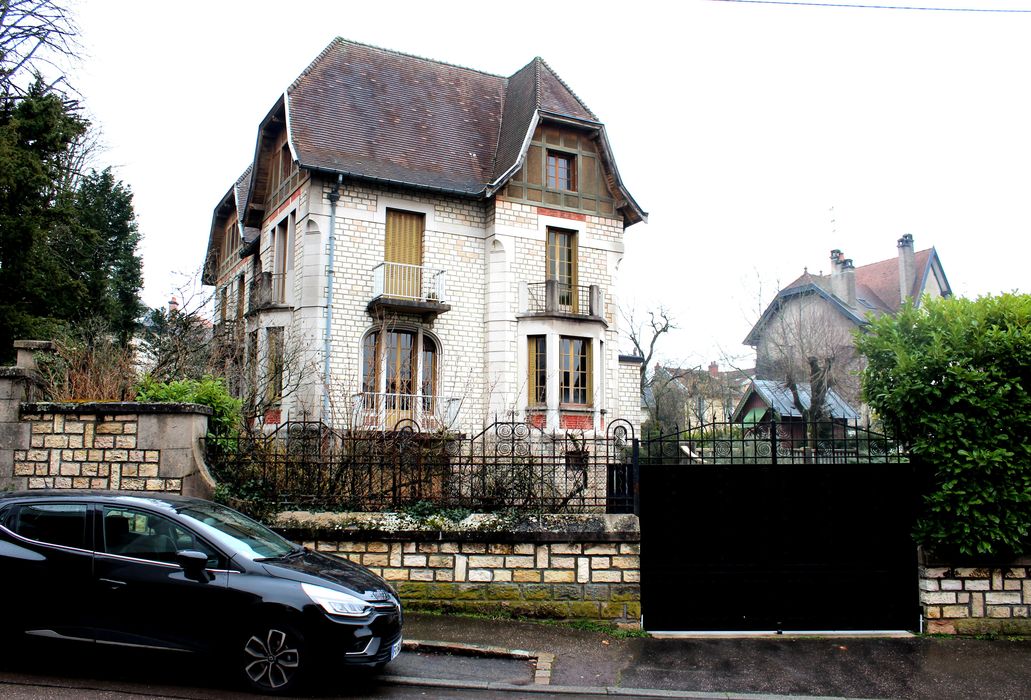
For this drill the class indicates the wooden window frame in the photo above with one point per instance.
(275, 361)
(553, 172)
(558, 240)
(576, 372)
(537, 370)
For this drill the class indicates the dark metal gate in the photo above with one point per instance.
(777, 528)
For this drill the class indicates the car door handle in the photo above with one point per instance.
(112, 584)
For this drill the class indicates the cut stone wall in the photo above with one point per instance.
(566, 570)
(977, 600)
(118, 446)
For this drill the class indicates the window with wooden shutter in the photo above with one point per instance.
(403, 254)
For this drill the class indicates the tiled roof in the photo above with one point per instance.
(234, 199)
(389, 116)
(382, 115)
(877, 284)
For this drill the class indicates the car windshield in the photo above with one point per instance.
(237, 532)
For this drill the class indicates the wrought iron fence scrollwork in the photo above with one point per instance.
(784, 441)
(508, 465)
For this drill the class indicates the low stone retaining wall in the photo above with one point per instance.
(976, 599)
(573, 567)
(102, 445)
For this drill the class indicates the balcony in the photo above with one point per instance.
(553, 298)
(373, 411)
(411, 289)
(266, 291)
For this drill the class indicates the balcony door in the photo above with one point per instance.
(402, 274)
(399, 377)
(562, 267)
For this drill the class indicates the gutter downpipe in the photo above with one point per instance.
(333, 197)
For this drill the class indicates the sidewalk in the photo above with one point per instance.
(913, 667)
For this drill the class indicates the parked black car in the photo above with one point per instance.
(184, 574)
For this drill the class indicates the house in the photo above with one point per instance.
(766, 400)
(418, 242)
(703, 395)
(813, 318)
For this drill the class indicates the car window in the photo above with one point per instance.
(144, 535)
(236, 531)
(53, 523)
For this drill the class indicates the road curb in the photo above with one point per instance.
(542, 661)
(607, 691)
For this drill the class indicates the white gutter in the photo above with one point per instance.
(333, 197)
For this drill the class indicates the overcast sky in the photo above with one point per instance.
(736, 125)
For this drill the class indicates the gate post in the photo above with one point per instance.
(635, 475)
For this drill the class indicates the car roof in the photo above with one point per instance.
(161, 500)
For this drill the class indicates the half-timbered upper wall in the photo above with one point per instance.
(546, 178)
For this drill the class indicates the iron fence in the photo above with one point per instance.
(783, 441)
(509, 465)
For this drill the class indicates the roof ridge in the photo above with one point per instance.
(568, 89)
(340, 41)
(537, 61)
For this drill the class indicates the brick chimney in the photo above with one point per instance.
(173, 305)
(714, 369)
(907, 267)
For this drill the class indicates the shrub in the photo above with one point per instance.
(226, 416)
(951, 380)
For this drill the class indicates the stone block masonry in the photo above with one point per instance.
(556, 572)
(116, 446)
(977, 599)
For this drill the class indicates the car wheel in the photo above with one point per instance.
(273, 659)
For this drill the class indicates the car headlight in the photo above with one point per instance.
(336, 602)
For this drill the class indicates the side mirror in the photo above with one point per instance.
(194, 563)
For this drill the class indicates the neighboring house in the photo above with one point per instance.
(815, 316)
(419, 241)
(704, 395)
(766, 398)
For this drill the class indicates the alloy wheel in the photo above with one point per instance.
(272, 659)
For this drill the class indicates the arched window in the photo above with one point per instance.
(399, 376)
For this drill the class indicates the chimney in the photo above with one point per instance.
(843, 277)
(907, 267)
(848, 281)
(173, 305)
(714, 369)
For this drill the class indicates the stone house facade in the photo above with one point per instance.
(416, 242)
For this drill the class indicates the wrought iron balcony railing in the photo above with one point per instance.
(553, 296)
(410, 282)
(381, 411)
(266, 290)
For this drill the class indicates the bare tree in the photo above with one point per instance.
(645, 336)
(808, 342)
(34, 34)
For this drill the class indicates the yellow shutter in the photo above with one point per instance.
(404, 237)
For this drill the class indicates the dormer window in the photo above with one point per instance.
(561, 171)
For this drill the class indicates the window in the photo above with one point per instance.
(401, 366)
(252, 368)
(575, 371)
(58, 523)
(274, 389)
(240, 297)
(561, 266)
(142, 535)
(561, 173)
(223, 304)
(537, 365)
(402, 254)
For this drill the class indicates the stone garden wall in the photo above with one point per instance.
(585, 567)
(120, 446)
(976, 599)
